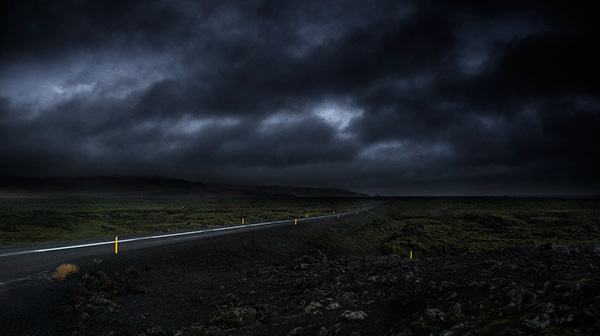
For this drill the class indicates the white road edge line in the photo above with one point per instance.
(15, 280)
(173, 234)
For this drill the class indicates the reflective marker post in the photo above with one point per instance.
(116, 244)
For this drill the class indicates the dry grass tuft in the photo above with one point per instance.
(63, 270)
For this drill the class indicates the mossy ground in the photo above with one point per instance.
(434, 226)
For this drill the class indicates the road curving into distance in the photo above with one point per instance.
(37, 262)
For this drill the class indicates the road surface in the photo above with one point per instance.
(25, 264)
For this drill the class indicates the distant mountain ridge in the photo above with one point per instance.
(152, 187)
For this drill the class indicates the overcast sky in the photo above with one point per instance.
(391, 97)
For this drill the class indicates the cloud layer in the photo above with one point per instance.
(403, 98)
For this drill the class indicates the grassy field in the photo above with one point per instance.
(439, 225)
(50, 220)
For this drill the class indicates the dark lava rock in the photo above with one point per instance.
(233, 317)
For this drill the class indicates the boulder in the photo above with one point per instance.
(358, 315)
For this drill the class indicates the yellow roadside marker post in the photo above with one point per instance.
(295, 221)
(410, 254)
(338, 216)
(306, 215)
(116, 244)
(242, 220)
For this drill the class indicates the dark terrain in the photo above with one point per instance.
(151, 187)
(490, 274)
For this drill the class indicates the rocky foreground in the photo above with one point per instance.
(523, 290)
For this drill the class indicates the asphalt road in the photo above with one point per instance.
(36, 263)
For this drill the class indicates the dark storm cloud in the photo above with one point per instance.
(40, 29)
(390, 97)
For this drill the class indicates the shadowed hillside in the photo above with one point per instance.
(110, 186)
